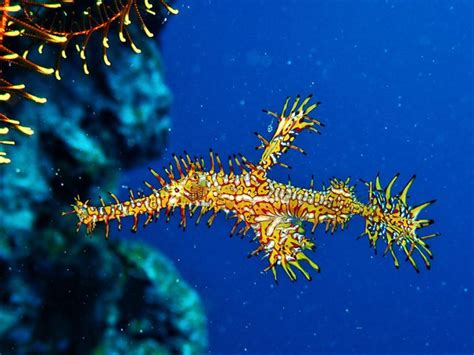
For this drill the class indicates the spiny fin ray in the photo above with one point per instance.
(289, 126)
(390, 218)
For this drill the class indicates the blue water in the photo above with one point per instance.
(396, 83)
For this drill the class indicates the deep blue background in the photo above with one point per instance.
(396, 82)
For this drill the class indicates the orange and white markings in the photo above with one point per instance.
(275, 212)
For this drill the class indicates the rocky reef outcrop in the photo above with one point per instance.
(59, 291)
(91, 298)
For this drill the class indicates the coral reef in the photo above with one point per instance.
(92, 127)
(63, 294)
(85, 298)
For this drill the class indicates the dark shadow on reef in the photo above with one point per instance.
(59, 291)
